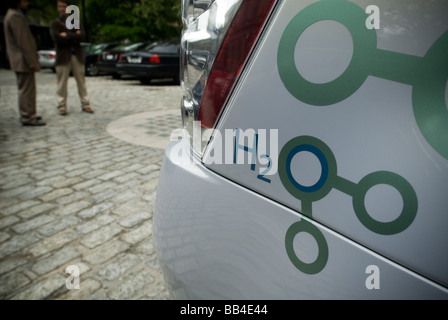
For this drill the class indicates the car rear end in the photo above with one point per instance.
(313, 162)
(107, 61)
(159, 60)
(108, 58)
(47, 59)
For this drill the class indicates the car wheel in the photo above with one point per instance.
(92, 70)
(116, 76)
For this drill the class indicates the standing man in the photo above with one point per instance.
(23, 59)
(69, 58)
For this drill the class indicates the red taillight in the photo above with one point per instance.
(120, 58)
(154, 59)
(98, 59)
(52, 55)
(235, 49)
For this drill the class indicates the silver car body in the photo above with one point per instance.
(346, 120)
(47, 59)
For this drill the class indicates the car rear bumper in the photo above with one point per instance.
(47, 63)
(106, 67)
(148, 71)
(218, 240)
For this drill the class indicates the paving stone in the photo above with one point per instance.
(130, 207)
(133, 167)
(5, 203)
(104, 186)
(153, 264)
(119, 267)
(100, 159)
(9, 177)
(72, 197)
(58, 193)
(95, 224)
(124, 196)
(35, 210)
(57, 165)
(149, 169)
(67, 182)
(135, 219)
(12, 282)
(87, 288)
(32, 224)
(100, 236)
(50, 181)
(123, 158)
(35, 192)
(77, 172)
(77, 166)
(17, 182)
(83, 268)
(57, 226)
(91, 212)
(73, 208)
(57, 259)
(50, 244)
(105, 195)
(86, 184)
(8, 221)
(48, 174)
(141, 233)
(19, 207)
(126, 177)
(102, 164)
(120, 166)
(130, 287)
(106, 252)
(42, 289)
(9, 168)
(94, 174)
(111, 175)
(7, 265)
(16, 191)
(4, 236)
(17, 243)
(146, 247)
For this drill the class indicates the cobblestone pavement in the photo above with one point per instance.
(81, 190)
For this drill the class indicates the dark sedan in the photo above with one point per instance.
(159, 60)
(107, 59)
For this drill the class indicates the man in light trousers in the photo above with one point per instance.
(69, 59)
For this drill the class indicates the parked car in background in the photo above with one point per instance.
(47, 59)
(313, 162)
(91, 56)
(158, 60)
(107, 60)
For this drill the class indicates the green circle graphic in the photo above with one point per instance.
(410, 203)
(321, 261)
(364, 41)
(428, 97)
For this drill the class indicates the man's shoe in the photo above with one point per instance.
(62, 112)
(34, 123)
(87, 109)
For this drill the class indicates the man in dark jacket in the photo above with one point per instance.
(69, 58)
(23, 59)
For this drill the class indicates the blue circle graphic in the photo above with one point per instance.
(323, 162)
